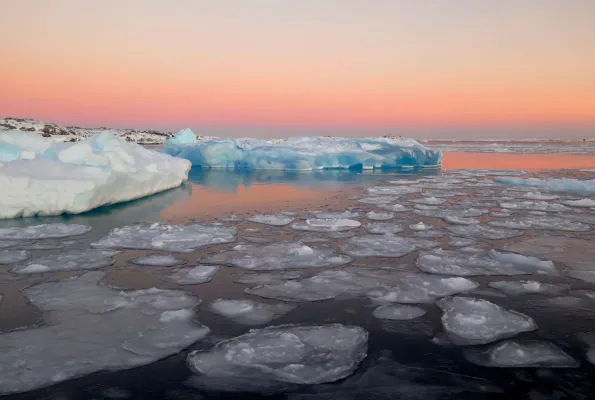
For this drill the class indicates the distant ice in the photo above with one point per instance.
(383, 228)
(157, 260)
(335, 214)
(540, 196)
(379, 216)
(378, 200)
(430, 201)
(287, 353)
(43, 231)
(557, 185)
(483, 232)
(249, 312)
(521, 354)
(393, 207)
(384, 246)
(420, 226)
(534, 206)
(71, 260)
(539, 222)
(275, 220)
(326, 225)
(460, 221)
(13, 256)
(399, 313)
(192, 275)
(277, 256)
(580, 203)
(469, 321)
(392, 190)
(529, 287)
(174, 238)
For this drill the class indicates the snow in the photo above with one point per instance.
(398, 313)
(384, 246)
(580, 203)
(521, 354)
(164, 237)
(383, 228)
(77, 177)
(541, 222)
(586, 187)
(287, 353)
(529, 287)
(249, 312)
(95, 327)
(375, 216)
(43, 231)
(72, 260)
(469, 321)
(157, 260)
(192, 275)
(483, 232)
(326, 225)
(13, 256)
(277, 256)
(304, 153)
(274, 220)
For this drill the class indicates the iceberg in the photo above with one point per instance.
(43, 178)
(302, 153)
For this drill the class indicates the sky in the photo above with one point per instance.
(272, 68)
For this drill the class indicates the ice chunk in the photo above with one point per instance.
(174, 238)
(500, 214)
(93, 328)
(383, 228)
(537, 222)
(157, 260)
(534, 206)
(521, 354)
(377, 200)
(469, 321)
(430, 201)
(452, 212)
(68, 261)
(335, 214)
(392, 190)
(461, 242)
(540, 196)
(193, 275)
(425, 208)
(13, 256)
(99, 171)
(422, 288)
(393, 207)
(44, 231)
(185, 136)
(275, 256)
(529, 287)
(556, 185)
(288, 354)
(275, 220)
(326, 225)
(420, 226)
(460, 221)
(580, 203)
(384, 246)
(483, 232)
(398, 313)
(248, 312)
(267, 278)
(379, 216)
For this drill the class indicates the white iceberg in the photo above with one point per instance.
(40, 177)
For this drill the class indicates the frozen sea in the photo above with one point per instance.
(451, 284)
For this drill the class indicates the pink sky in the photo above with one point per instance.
(274, 66)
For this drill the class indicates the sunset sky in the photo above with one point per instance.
(427, 68)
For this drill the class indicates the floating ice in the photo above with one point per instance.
(384, 246)
(461, 242)
(537, 222)
(267, 278)
(306, 153)
(193, 275)
(399, 313)
(469, 321)
(174, 238)
(521, 354)
(483, 232)
(44, 231)
(157, 260)
(429, 234)
(556, 185)
(326, 225)
(540, 196)
(379, 216)
(248, 312)
(275, 220)
(534, 206)
(13, 256)
(99, 171)
(500, 214)
(588, 338)
(232, 218)
(95, 327)
(529, 287)
(288, 354)
(426, 208)
(580, 203)
(383, 228)
(460, 221)
(334, 214)
(68, 261)
(392, 190)
(283, 255)
(377, 200)
(452, 212)
(430, 201)
(420, 226)
(393, 207)
(587, 276)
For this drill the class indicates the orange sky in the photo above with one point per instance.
(234, 64)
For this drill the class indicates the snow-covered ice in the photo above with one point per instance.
(469, 321)
(541, 222)
(520, 354)
(174, 238)
(192, 275)
(71, 260)
(157, 260)
(249, 312)
(274, 220)
(13, 256)
(557, 185)
(376, 216)
(282, 255)
(384, 246)
(326, 225)
(529, 287)
(398, 312)
(286, 353)
(483, 232)
(95, 327)
(101, 170)
(43, 231)
(383, 228)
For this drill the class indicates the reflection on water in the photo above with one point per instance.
(525, 162)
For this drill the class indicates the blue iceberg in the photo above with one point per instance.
(303, 153)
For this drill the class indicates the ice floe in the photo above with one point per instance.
(540, 196)
(398, 312)
(71, 260)
(13, 256)
(274, 220)
(379, 216)
(267, 278)
(383, 228)
(521, 354)
(556, 185)
(534, 206)
(540, 222)
(326, 225)
(393, 207)
(580, 203)
(483, 232)
(459, 220)
(157, 260)
(43, 231)
(430, 201)
(249, 312)
(529, 287)
(384, 246)
(334, 214)
(192, 275)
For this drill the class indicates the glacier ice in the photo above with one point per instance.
(529, 287)
(375, 216)
(383, 228)
(174, 238)
(557, 185)
(303, 153)
(282, 255)
(94, 327)
(13, 256)
(384, 246)
(43, 231)
(268, 219)
(469, 321)
(68, 261)
(521, 354)
(398, 312)
(157, 260)
(286, 354)
(483, 232)
(45, 178)
(326, 225)
(249, 312)
(192, 275)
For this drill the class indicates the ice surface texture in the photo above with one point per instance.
(68, 261)
(40, 177)
(193, 275)
(157, 260)
(303, 153)
(95, 327)
(556, 185)
(288, 354)
(249, 312)
(520, 354)
(44, 231)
